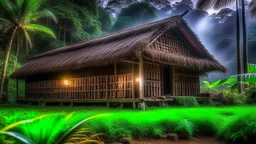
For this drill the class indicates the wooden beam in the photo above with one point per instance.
(132, 62)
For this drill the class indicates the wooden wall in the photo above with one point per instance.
(186, 82)
(102, 83)
(87, 83)
(152, 79)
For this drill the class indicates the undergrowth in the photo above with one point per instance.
(234, 124)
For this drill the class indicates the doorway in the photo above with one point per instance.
(167, 80)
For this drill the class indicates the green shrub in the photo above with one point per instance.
(233, 98)
(241, 129)
(251, 95)
(186, 101)
(185, 129)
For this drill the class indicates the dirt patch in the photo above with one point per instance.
(193, 141)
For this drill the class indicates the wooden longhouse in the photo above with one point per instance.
(131, 66)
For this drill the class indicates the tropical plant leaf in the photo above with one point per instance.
(75, 127)
(208, 84)
(228, 80)
(21, 122)
(9, 7)
(27, 38)
(252, 68)
(235, 85)
(18, 136)
(39, 28)
(44, 14)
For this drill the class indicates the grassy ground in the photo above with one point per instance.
(233, 123)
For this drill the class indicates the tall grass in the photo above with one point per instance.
(236, 123)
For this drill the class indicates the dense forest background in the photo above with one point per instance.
(80, 20)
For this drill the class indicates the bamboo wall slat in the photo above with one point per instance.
(152, 82)
(171, 44)
(186, 83)
(99, 87)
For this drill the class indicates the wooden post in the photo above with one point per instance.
(115, 82)
(17, 88)
(141, 84)
(141, 76)
(106, 87)
(108, 105)
(134, 105)
(133, 82)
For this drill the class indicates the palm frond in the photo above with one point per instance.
(44, 14)
(27, 38)
(39, 28)
(5, 21)
(5, 24)
(222, 3)
(31, 6)
(205, 4)
(9, 9)
(252, 7)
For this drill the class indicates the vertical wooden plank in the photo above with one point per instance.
(133, 82)
(162, 78)
(98, 89)
(106, 87)
(125, 86)
(115, 84)
(141, 76)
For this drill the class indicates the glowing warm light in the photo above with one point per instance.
(138, 79)
(65, 82)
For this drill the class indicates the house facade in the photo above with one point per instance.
(162, 58)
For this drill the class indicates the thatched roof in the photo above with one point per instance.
(128, 44)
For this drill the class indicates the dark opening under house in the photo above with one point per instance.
(131, 66)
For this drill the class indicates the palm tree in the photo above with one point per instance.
(252, 7)
(217, 4)
(18, 20)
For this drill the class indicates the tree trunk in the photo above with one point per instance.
(5, 61)
(238, 47)
(245, 48)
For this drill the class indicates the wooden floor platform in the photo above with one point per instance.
(136, 103)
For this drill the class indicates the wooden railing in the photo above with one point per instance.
(98, 87)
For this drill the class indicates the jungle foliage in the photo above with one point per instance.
(232, 124)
